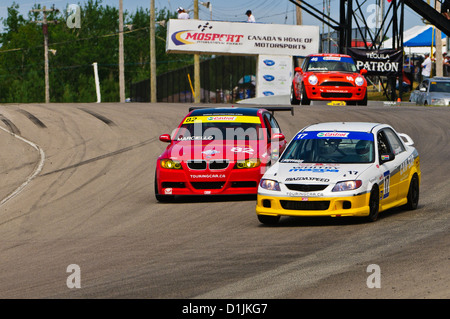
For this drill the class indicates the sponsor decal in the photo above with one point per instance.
(210, 152)
(184, 37)
(387, 181)
(167, 191)
(338, 103)
(208, 176)
(339, 135)
(269, 62)
(332, 134)
(407, 164)
(385, 62)
(268, 93)
(332, 58)
(195, 138)
(221, 118)
(302, 194)
(310, 179)
(268, 77)
(316, 168)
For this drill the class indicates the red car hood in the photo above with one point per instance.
(215, 150)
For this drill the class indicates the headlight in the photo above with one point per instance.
(313, 79)
(359, 81)
(248, 163)
(170, 164)
(270, 185)
(347, 186)
(437, 102)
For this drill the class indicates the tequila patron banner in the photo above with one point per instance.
(386, 62)
(216, 37)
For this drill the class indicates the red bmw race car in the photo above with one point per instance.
(219, 151)
(329, 77)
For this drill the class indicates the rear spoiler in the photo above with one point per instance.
(269, 108)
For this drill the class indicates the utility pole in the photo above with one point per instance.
(121, 58)
(153, 97)
(197, 88)
(439, 57)
(45, 23)
(298, 16)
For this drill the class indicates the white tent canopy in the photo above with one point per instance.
(418, 40)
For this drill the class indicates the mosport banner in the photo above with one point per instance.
(213, 37)
(385, 62)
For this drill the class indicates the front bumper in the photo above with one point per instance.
(329, 93)
(313, 206)
(230, 182)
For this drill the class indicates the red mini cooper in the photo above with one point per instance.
(329, 77)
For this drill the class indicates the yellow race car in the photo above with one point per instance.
(341, 169)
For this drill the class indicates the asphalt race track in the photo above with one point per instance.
(77, 189)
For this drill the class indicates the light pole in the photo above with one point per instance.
(121, 57)
(208, 5)
(197, 88)
(153, 97)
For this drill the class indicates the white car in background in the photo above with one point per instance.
(434, 91)
(341, 169)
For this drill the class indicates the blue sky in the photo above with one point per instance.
(265, 11)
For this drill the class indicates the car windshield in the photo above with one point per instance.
(440, 87)
(330, 147)
(326, 64)
(220, 128)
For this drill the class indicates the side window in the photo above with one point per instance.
(305, 64)
(383, 144)
(274, 124)
(424, 85)
(396, 145)
(268, 126)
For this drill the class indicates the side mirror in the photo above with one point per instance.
(165, 138)
(298, 69)
(363, 71)
(278, 137)
(386, 158)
